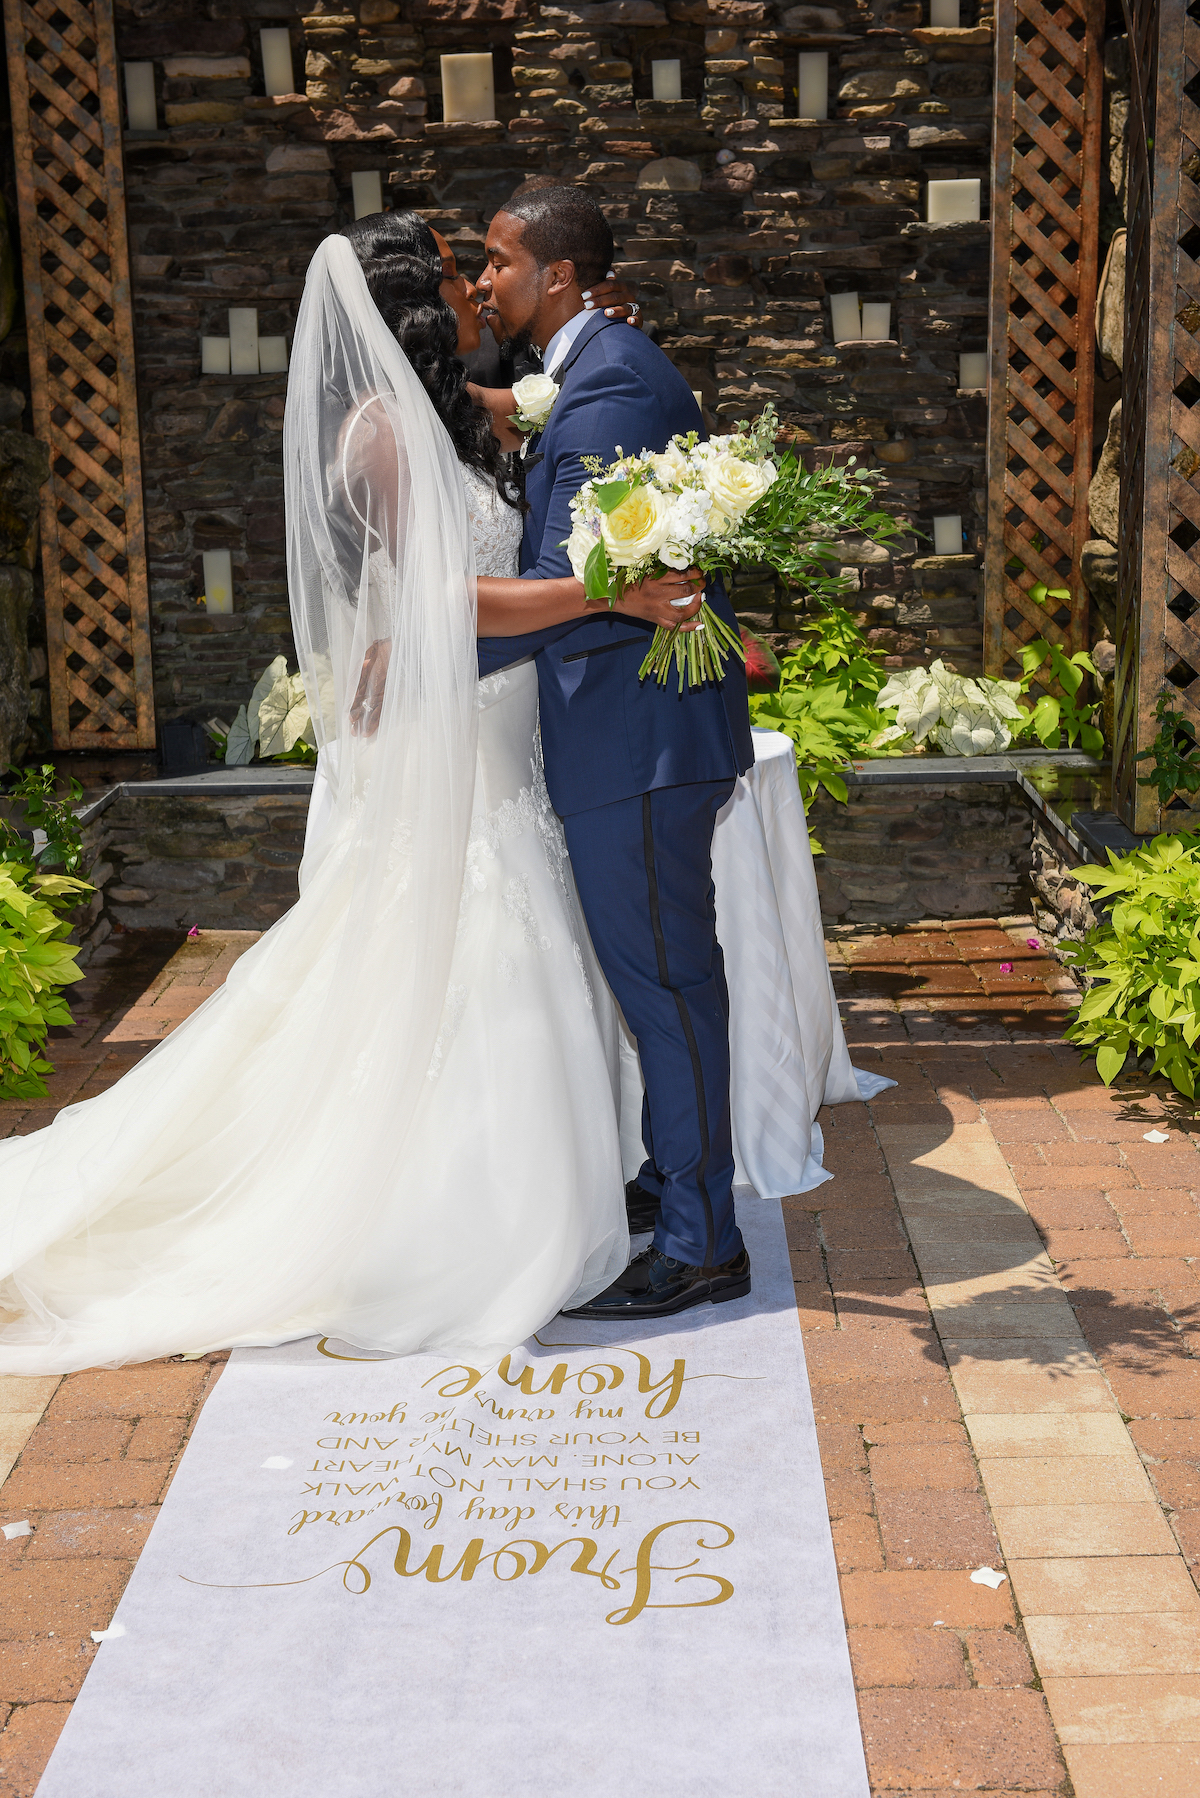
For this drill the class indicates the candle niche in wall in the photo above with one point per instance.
(272, 356)
(666, 79)
(276, 44)
(214, 355)
(243, 340)
(141, 107)
(468, 89)
(973, 369)
(948, 535)
(952, 202)
(877, 321)
(367, 188)
(218, 580)
(814, 85)
(846, 318)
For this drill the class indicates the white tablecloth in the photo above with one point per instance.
(787, 1047)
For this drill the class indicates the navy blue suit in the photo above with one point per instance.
(638, 773)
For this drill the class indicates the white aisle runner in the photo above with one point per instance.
(604, 1569)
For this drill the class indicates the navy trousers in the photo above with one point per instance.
(644, 871)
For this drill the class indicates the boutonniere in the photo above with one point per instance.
(535, 396)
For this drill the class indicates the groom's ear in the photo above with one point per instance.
(559, 277)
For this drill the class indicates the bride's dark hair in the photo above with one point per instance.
(403, 267)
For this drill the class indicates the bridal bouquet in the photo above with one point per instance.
(731, 502)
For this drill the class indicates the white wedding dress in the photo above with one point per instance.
(506, 1203)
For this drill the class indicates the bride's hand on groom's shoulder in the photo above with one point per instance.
(368, 699)
(654, 600)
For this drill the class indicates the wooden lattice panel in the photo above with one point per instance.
(1159, 610)
(62, 65)
(1049, 62)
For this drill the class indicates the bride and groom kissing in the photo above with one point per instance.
(397, 1121)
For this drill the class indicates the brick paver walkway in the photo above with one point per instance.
(1001, 1314)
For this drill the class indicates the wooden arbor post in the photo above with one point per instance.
(63, 77)
(1158, 610)
(1045, 244)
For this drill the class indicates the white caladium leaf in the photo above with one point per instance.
(267, 681)
(239, 745)
(273, 709)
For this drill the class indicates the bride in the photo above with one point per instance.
(396, 1122)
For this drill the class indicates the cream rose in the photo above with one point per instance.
(671, 466)
(736, 485)
(535, 396)
(638, 527)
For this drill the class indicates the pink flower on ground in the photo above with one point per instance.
(192, 933)
(1006, 967)
(1033, 942)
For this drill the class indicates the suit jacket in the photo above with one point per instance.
(605, 735)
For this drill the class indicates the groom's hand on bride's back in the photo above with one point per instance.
(654, 600)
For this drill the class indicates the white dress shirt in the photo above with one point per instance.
(560, 343)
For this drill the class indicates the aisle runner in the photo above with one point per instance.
(602, 1569)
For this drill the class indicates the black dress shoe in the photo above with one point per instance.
(653, 1285)
(641, 1208)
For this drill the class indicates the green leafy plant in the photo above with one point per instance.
(275, 720)
(1176, 766)
(35, 962)
(1052, 718)
(48, 813)
(1143, 962)
(826, 703)
(35, 959)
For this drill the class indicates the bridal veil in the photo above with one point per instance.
(221, 1191)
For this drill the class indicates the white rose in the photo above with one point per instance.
(580, 545)
(736, 485)
(535, 396)
(671, 466)
(638, 527)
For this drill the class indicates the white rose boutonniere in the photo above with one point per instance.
(535, 396)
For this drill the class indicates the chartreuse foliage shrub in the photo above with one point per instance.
(36, 961)
(1143, 962)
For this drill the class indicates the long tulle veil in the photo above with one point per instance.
(219, 1192)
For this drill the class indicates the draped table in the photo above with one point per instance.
(787, 1046)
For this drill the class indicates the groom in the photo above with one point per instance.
(637, 772)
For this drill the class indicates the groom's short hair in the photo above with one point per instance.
(564, 224)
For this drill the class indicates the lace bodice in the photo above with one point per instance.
(495, 527)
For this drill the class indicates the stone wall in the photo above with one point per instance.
(735, 219)
(897, 853)
(166, 863)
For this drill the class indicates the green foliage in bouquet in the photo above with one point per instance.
(826, 703)
(35, 959)
(1143, 962)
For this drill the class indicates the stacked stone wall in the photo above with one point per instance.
(735, 219)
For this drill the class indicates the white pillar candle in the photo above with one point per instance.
(665, 80)
(277, 60)
(141, 108)
(468, 89)
(847, 324)
(973, 368)
(877, 320)
(272, 356)
(367, 185)
(214, 355)
(243, 340)
(814, 84)
(950, 202)
(948, 536)
(944, 13)
(218, 580)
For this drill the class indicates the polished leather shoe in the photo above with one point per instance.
(653, 1285)
(641, 1208)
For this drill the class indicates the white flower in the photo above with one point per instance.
(585, 533)
(670, 467)
(638, 527)
(535, 396)
(736, 485)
